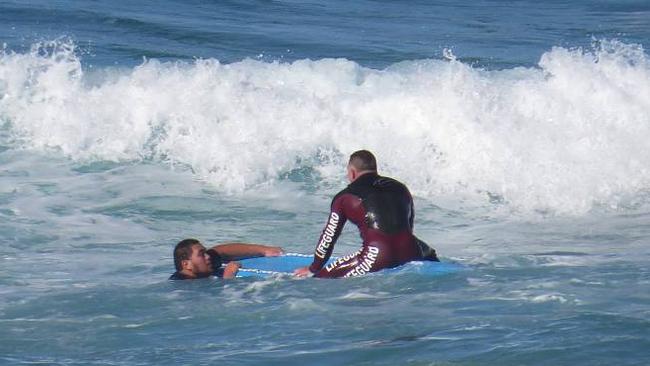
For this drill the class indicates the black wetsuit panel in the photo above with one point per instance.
(177, 276)
(387, 204)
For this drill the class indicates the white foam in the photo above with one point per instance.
(564, 136)
(303, 304)
(549, 298)
(359, 295)
(534, 298)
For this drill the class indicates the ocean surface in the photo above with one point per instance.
(521, 127)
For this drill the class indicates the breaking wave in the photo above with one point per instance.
(564, 136)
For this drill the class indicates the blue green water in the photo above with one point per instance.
(521, 128)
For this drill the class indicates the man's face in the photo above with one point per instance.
(200, 263)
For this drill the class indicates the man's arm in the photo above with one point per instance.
(231, 269)
(235, 251)
(328, 237)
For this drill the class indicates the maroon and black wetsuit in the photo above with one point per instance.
(382, 208)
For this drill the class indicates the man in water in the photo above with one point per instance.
(382, 209)
(193, 261)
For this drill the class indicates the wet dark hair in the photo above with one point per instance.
(183, 251)
(363, 160)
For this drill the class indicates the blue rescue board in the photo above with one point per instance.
(286, 264)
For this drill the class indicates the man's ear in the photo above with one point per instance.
(185, 264)
(352, 175)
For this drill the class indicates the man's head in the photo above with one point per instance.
(361, 162)
(191, 259)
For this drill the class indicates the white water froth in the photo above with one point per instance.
(562, 137)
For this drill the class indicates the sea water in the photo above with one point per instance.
(521, 127)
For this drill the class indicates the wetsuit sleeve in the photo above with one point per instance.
(217, 261)
(330, 234)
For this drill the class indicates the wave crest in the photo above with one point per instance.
(564, 136)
